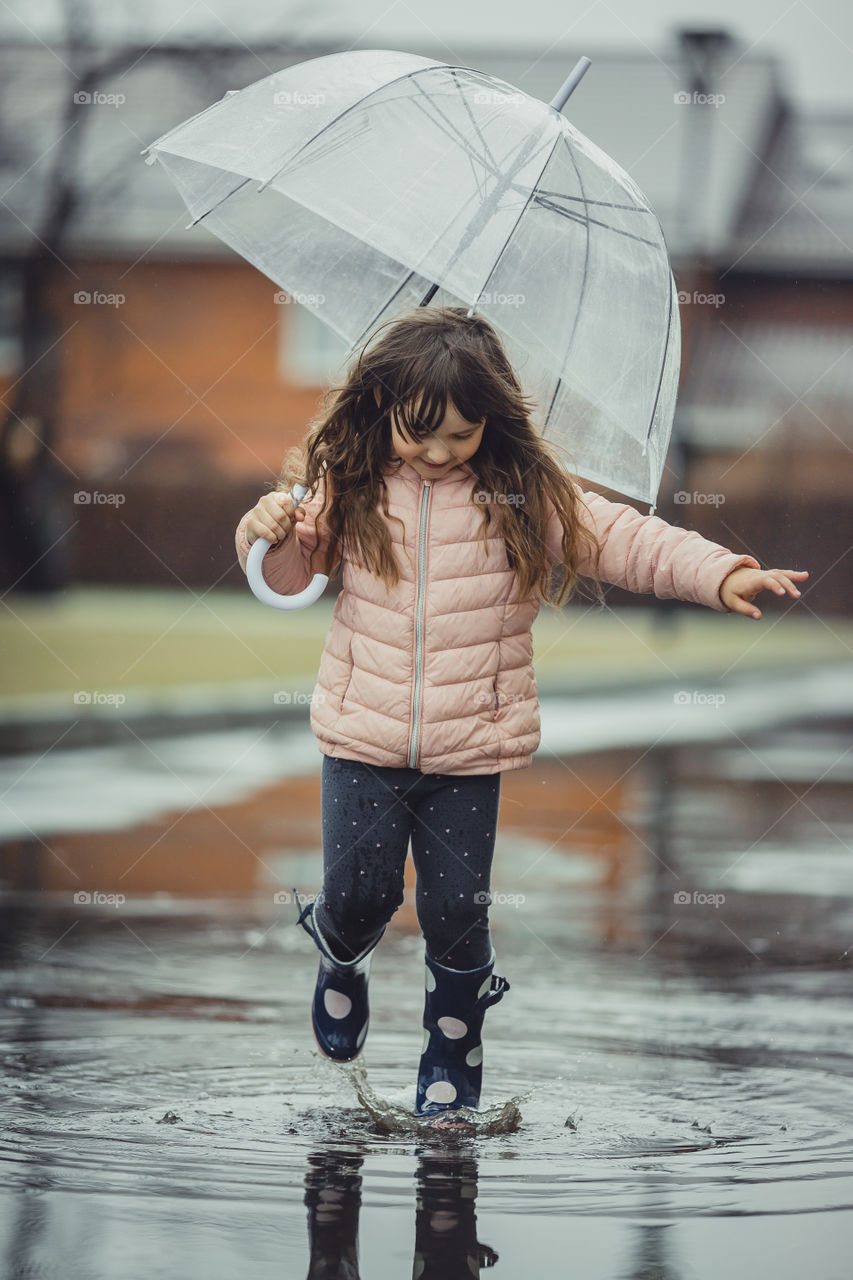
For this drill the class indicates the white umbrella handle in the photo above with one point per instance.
(261, 587)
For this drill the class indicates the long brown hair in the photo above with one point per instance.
(435, 356)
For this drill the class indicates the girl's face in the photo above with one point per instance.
(453, 442)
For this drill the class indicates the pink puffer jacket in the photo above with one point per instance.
(437, 673)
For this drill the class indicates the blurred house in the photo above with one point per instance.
(768, 393)
(185, 374)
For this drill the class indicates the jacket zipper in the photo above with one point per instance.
(419, 627)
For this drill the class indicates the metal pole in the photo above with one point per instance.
(579, 70)
(559, 100)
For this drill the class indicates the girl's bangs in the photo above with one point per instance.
(431, 410)
(436, 392)
(435, 379)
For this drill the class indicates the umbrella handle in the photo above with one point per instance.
(261, 587)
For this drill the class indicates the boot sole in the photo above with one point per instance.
(446, 1123)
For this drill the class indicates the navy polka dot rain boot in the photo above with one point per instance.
(451, 1067)
(339, 1011)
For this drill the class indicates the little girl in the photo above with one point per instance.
(448, 513)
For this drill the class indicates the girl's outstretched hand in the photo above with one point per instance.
(742, 585)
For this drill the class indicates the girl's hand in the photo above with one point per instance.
(742, 585)
(272, 518)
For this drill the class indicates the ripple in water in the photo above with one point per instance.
(237, 1117)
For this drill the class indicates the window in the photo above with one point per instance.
(309, 352)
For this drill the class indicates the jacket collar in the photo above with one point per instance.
(408, 473)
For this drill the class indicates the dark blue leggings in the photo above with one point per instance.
(370, 813)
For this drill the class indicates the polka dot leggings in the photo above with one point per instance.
(370, 813)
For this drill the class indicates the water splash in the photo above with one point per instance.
(394, 1117)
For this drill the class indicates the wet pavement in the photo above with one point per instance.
(668, 1086)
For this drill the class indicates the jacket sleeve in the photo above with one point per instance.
(285, 567)
(645, 554)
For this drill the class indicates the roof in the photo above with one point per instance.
(626, 103)
(801, 208)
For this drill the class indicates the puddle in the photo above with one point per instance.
(668, 1085)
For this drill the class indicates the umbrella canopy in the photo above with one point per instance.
(364, 182)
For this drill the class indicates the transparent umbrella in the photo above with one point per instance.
(370, 182)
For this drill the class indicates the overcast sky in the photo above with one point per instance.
(814, 38)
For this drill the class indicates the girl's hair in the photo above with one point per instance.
(444, 356)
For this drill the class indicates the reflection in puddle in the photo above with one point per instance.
(675, 1047)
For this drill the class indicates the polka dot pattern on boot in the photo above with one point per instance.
(441, 1091)
(453, 1028)
(337, 1004)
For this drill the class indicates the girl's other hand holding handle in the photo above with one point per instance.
(273, 518)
